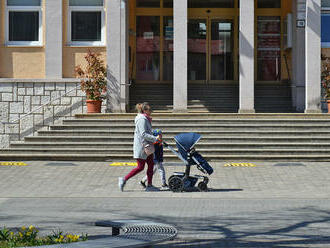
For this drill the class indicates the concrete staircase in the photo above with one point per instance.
(215, 98)
(226, 137)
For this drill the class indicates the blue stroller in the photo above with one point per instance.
(180, 181)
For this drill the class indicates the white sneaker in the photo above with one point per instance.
(121, 183)
(165, 187)
(151, 188)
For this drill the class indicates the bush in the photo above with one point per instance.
(93, 77)
(29, 237)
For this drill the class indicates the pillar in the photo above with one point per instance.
(180, 83)
(246, 62)
(53, 39)
(298, 55)
(313, 56)
(117, 55)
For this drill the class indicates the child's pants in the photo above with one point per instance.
(161, 170)
(140, 167)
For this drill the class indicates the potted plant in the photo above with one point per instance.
(93, 80)
(325, 77)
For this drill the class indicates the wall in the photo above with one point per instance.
(19, 97)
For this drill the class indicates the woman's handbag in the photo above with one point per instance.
(149, 149)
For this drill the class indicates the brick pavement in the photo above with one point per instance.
(270, 205)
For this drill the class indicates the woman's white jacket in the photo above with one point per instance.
(142, 136)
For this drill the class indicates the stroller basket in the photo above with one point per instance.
(202, 164)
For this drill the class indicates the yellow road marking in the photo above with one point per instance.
(240, 165)
(13, 164)
(123, 164)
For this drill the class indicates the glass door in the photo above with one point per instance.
(197, 49)
(210, 49)
(221, 50)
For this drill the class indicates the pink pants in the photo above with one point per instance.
(140, 167)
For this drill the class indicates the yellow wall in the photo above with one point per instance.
(73, 56)
(20, 62)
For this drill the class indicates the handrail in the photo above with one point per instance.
(40, 107)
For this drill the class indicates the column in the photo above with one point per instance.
(246, 55)
(117, 55)
(180, 84)
(298, 55)
(53, 39)
(313, 56)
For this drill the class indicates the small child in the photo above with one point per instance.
(158, 160)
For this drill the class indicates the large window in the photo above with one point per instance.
(269, 4)
(24, 22)
(86, 23)
(325, 32)
(154, 3)
(211, 4)
(325, 24)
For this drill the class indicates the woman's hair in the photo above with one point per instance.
(142, 107)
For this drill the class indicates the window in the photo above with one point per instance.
(325, 22)
(211, 4)
(325, 4)
(325, 34)
(148, 3)
(86, 23)
(24, 23)
(269, 3)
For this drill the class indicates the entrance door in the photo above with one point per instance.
(210, 49)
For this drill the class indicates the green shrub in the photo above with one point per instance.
(29, 237)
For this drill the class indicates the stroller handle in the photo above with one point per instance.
(165, 144)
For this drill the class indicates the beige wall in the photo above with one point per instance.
(20, 62)
(73, 56)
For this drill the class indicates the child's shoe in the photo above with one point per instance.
(151, 188)
(165, 187)
(121, 183)
(143, 184)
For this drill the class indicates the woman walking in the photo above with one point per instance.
(143, 145)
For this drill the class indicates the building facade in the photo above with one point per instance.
(176, 42)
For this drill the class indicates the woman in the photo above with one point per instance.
(142, 138)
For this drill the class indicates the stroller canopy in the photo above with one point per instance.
(187, 140)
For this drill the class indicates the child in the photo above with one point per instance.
(158, 160)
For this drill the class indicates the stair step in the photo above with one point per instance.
(200, 145)
(229, 139)
(129, 152)
(118, 157)
(204, 133)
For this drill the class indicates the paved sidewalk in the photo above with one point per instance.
(270, 205)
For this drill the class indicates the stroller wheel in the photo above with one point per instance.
(202, 186)
(175, 183)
